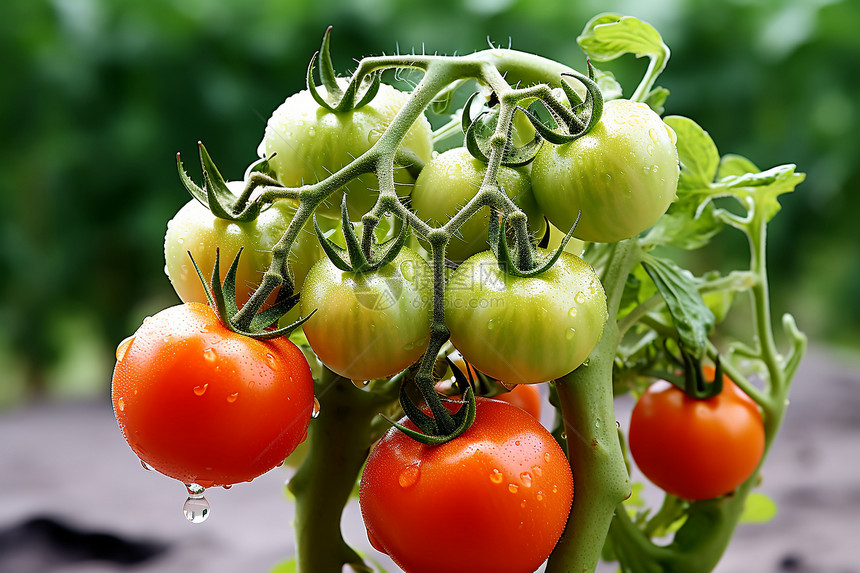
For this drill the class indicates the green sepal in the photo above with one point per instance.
(423, 421)
(693, 383)
(483, 127)
(506, 261)
(464, 417)
(215, 195)
(190, 185)
(283, 303)
(345, 99)
(327, 74)
(335, 253)
(312, 86)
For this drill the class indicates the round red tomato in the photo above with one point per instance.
(505, 478)
(523, 396)
(696, 449)
(202, 404)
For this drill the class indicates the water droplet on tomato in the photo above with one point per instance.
(555, 489)
(196, 508)
(195, 489)
(491, 324)
(120, 404)
(227, 486)
(579, 298)
(539, 496)
(650, 149)
(546, 457)
(409, 476)
(201, 389)
(513, 488)
(316, 410)
(123, 347)
(572, 312)
(537, 471)
(360, 384)
(571, 332)
(496, 476)
(407, 269)
(232, 397)
(409, 346)
(271, 361)
(652, 133)
(526, 479)
(210, 355)
(146, 466)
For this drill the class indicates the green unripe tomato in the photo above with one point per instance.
(448, 182)
(622, 174)
(525, 330)
(309, 143)
(369, 325)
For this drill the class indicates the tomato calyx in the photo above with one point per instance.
(479, 133)
(526, 264)
(343, 101)
(569, 123)
(216, 196)
(253, 322)
(698, 382)
(358, 257)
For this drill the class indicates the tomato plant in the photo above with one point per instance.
(369, 325)
(525, 330)
(696, 449)
(306, 143)
(622, 175)
(194, 229)
(205, 405)
(450, 180)
(505, 479)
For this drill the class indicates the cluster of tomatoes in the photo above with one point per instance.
(206, 405)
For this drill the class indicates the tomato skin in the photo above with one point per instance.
(202, 404)
(696, 449)
(525, 397)
(505, 478)
(369, 325)
(194, 228)
(309, 143)
(450, 181)
(623, 175)
(525, 330)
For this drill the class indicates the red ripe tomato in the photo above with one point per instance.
(523, 396)
(696, 449)
(505, 477)
(202, 404)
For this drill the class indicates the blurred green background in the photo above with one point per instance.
(97, 96)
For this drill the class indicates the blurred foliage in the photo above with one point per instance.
(97, 96)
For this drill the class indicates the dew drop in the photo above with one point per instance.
(227, 486)
(271, 361)
(546, 457)
(496, 476)
(316, 410)
(195, 489)
(491, 324)
(120, 404)
(526, 479)
(540, 496)
(537, 471)
(580, 297)
(650, 149)
(652, 133)
(360, 384)
(513, 488)
(555, 489)
(564, 435)
(523, 504)
(407, 269)
(409, 346)
(146, 466)
(201, 389)
(196, 508)
(572, 312)
(571, 332)
(123, 347)
(210, 355)
(409, 476)
(232, 397)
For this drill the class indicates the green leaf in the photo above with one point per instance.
(609, 36)
(692, 318)
(758, 508)
(731, 164)
(685, 226)
(608, 85)
(656, 99)
(764, 188)
(697, 153)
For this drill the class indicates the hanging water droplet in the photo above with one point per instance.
(201, 389)
(526, 479)
(195, 489)
(508, 387)
(122, 348)
(232, 397)
(227, 486)
(210, 355)
(196, 508)
(496, 476)
(579, 298)
(146, 466)
(316, 410)
(360, 384)
(409, 476)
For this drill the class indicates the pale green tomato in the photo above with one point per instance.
(448, 182)
(623, 175)
(525, 330)
(196, 230)
(309, 143)
(369, 325)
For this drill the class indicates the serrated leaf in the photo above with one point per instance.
(692, 318)
(731, 164)
(765, 187)
(758, 508)
(610, 36)
(697, 153)
(684, 226)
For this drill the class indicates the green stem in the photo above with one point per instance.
(340, 439)
(601, 481)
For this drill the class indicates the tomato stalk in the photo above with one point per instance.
(340, 439)
(601, 480)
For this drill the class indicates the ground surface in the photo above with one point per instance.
(74, 499)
